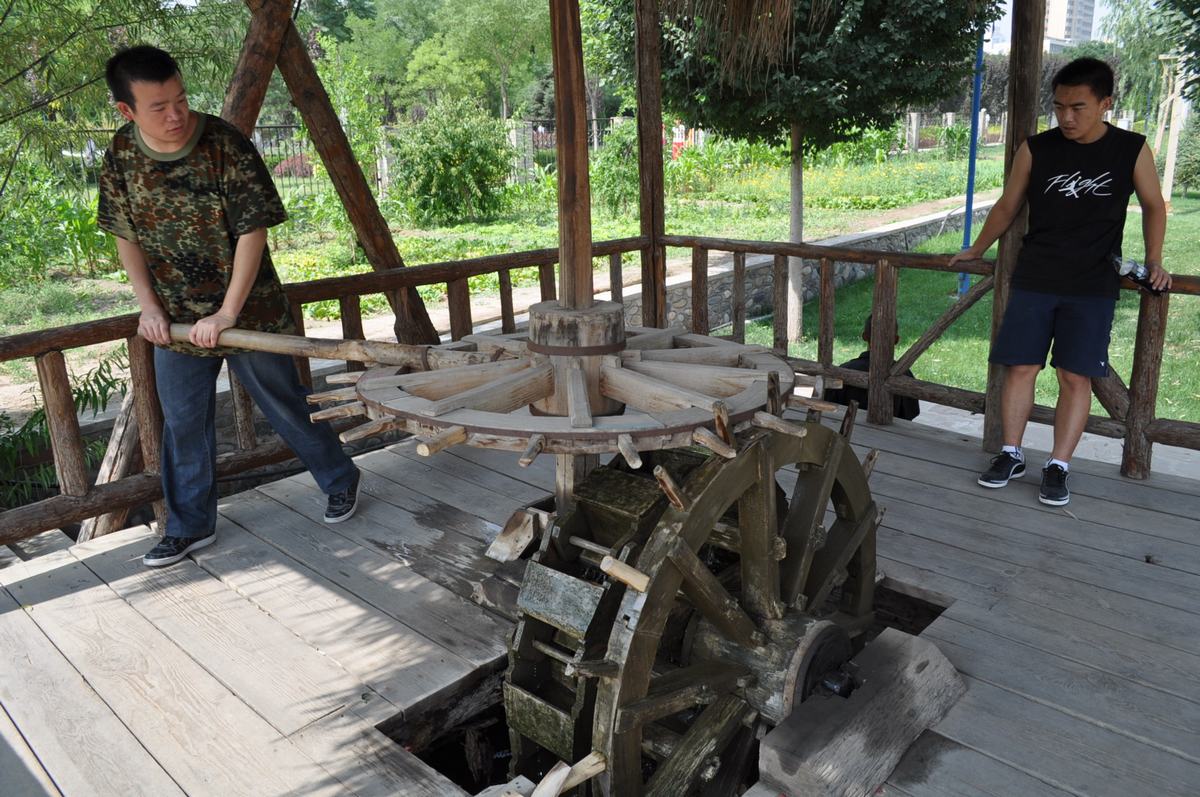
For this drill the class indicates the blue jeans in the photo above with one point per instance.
(187, 388)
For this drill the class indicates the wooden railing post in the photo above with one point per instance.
(458, 296)
(883, 343)
(303, 366)
(616, 282)
(700, 291)
(738, 299)
(826, 314)
(779, 286)
(1143, 384)
(66, 441)
(350, 308)
(243, 414)
(148, 411)
(546, 281)
(508, 323)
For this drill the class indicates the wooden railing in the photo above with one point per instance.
(1131, 409)
(78, 499)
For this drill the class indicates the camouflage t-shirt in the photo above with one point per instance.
(186, 210)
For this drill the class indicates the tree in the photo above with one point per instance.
(1182, 24)
(437, 71)
(507, 36)
(1140, 33)
(385, 45)
(846, 67)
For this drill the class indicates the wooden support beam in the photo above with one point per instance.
(458, 297)
(1024, 88)
(66, 441)
(706, 738)
(243, 413)
(412, 321)
(651, 201)
(303, 367)
(616, 280)
(574, 193)
(269, 21)
(779, 304)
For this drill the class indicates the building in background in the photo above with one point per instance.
(1070, 21)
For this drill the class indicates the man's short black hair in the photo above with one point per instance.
(143, 62)
(1090, 72)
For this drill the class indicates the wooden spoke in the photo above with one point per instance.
(629, 451)
(847, 428)
(492, 343)
(708, 355)
(765, 420)
(579, 408)
(340, 411)
(442, 382)
(650, 338)
(703, 379)
(804, 403)
(712, 599)
(345, 378)
(537, 442)
(669, 487)
(679, 689)
(341, 394)
(830, 562)
(712, 442)
(502, 395)
(450, 436)
(802, 526)
(704, 741)
(650, 394)
(757, 535)
(371, 429)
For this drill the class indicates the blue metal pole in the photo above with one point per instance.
(964, 279)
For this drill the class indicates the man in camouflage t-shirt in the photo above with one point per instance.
(189, 200)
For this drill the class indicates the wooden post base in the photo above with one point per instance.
(849, 746)
(569, 337)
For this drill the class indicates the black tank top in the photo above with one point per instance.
(1077, 195)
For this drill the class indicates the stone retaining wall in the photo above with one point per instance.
(901, 237)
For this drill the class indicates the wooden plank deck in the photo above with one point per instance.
(263, 664)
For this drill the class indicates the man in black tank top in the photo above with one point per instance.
(1077, 179)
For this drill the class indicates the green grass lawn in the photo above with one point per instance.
(959, 358)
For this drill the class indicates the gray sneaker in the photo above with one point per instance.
(170, 550)
(1004, 467)
(341, 505)
(1054, 486)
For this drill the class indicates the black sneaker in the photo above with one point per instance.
(1004, 467)
(171, 549)
(341, 505)
(1054, 486)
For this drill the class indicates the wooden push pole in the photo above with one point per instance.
(1024, 83)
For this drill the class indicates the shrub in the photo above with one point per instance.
(869, 145)
(614, 169)
(955, 141)
(452, 165)
(1187, 163)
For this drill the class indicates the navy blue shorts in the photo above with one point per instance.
(1080, 327)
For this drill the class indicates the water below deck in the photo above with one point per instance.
(263, 664)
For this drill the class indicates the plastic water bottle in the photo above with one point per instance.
(1138, 272)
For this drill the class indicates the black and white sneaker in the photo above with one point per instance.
(341, 505)
(171, 549)
(1054, 486)
(1004, 467)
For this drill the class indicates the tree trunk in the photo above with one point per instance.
(503, 94)
(795, 308)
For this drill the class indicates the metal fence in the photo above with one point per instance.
(291, 157)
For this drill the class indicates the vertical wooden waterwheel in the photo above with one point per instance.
(745, 584)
